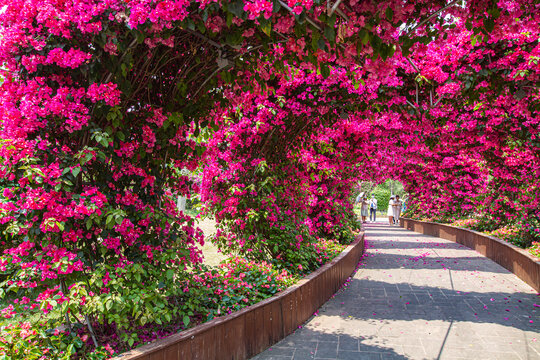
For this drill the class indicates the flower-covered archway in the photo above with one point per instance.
(272, 111)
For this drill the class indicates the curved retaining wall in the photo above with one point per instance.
(251, 330)
(509, 256)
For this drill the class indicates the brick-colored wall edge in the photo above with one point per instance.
(517, 260)
(251, 330)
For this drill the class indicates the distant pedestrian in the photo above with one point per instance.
(358, 200)
(373, 208)
(397, 209)
(390, 211)
(364, 209)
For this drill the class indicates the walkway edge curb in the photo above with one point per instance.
(248, 332)
(511, 257)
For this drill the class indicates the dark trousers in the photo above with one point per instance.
(372, 214)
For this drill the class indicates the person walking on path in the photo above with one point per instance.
(364, 209)
(373, 208)
(390, 211)
(396, 208)
(358, 200)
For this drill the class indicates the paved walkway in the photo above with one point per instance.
(419, 297)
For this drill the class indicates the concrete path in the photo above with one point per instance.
(419, 297)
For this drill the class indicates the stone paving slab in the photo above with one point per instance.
(420, 297)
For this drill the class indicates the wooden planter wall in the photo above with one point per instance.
(251, 330)
(509, 256)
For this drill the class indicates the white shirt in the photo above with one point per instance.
(390, 206)
(396, 207)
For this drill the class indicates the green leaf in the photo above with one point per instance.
(389, 14)
(489, 24)
(237, 8)
(376, 43)
(364, 36)
(70, 350)
(225, 76)
(169, 274)
(116, 122)
(496, 13)
(330, 33)
(300, 29)
(87, 157)
(101, 155)
(75, 171)
(185, 320)
(322, 44)
(315, 36)
(266, 27)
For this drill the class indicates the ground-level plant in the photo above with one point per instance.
(167, 300)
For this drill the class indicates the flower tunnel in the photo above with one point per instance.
(271, 113)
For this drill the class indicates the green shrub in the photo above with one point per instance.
(235, 284)
(23, 340)
(383, 198)
(511, 234)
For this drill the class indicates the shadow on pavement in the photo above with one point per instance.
(376, 300)
(311, 344)
(432, 261)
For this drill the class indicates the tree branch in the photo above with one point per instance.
(433, 15)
